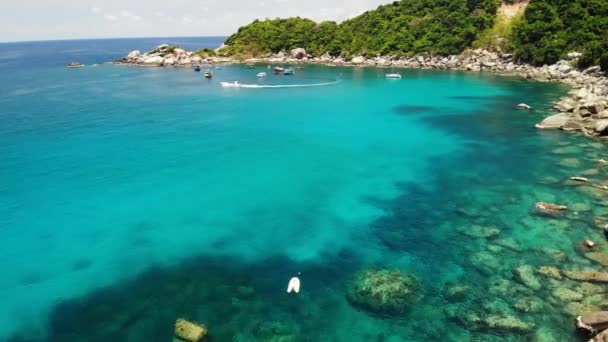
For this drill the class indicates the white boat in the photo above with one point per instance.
(235, 84)
(393, 75)
(261, 74)
(294, 285)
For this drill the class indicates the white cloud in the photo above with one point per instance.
(159, 17)
(110, 17)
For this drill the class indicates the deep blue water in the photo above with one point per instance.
(132, 196)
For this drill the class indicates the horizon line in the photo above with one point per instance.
(104, 38)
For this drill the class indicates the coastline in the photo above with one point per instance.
(584, 109)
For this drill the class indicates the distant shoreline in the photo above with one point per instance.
(584, 109)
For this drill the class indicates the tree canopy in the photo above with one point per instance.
(547, 31)
(550, 29)
(403, 27)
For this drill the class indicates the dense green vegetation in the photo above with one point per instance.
(551, 28)
(403, 27)
(547, 31)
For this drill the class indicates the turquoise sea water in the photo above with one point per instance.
(131, 196)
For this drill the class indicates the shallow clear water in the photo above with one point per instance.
(133, 196)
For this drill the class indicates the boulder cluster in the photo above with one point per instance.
(165, 55)
(584, 109)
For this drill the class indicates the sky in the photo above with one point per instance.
(77, 19)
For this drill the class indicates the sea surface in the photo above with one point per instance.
(132, 196)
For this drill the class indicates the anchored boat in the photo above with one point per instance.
(393, 75)
(235, 84)
(289, 71)
(261, 75)
(75, 65)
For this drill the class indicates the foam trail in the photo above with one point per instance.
(262, 86)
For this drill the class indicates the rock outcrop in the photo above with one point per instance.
(189, 331)
(164, 55)
(298, 53)
(384, 291)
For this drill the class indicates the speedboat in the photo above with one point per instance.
(235, 84)
(208, 74)
(197, 68)
(75, 65)
(261, 75)
(394, 76)
(289, 71)
(278, 70)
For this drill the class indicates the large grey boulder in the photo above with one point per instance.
(566, 105)
(593, 322)
(133, 54)
(358, 60)
(154, 60)
(601, 125)
(554, 122)
(601, 337)
(326, 57)
(298, 53)
(592, 70)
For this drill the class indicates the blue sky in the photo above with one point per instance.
(75, 19)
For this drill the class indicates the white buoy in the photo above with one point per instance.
(294, 285)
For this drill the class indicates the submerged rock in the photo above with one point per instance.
(549, 271)
(509, 323)
(525, 275)
(566, 295)
(189, 331)
(457, 292)
(477, 231)
(554, 122)
(549, 208)
(529, 305)
(591, 276)
(384, 291)
(599, 257)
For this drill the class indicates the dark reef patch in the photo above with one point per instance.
(412, 109)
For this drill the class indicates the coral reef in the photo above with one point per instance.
(384, 291)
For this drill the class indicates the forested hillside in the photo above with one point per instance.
(551, 28)
(402, 27)
(547, 30)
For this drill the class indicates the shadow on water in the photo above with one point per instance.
(412, 109)
(231, 296)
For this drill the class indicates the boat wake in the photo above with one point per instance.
(274, 86)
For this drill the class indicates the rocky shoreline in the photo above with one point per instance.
(584, 109)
